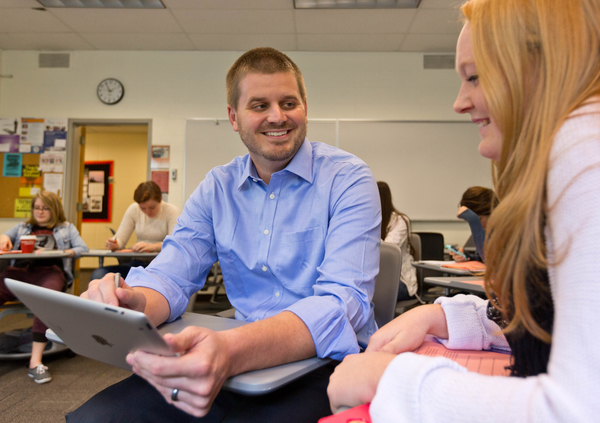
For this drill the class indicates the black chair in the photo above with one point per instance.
(432, 248)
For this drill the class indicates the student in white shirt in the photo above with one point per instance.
(152, 220)
(530, 72)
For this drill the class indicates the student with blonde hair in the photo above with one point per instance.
(530, 72)
(48, 223)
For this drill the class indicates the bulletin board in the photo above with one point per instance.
(97, 191)
(11, 186)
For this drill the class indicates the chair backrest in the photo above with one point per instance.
(387, 283)
(415, 240)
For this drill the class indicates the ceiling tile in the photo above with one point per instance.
(349, 42)
(243, 42)
(108, 21)
(236, 21)
(28, 20)
(229, 4)
(429, 43)
(353, 21)
(436, 21)
(45, 42)
(23, 4)
(154, 42)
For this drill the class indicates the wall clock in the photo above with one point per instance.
(110, 91)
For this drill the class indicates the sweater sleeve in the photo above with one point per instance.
(423, 389)
(127, 225)
(476, 230)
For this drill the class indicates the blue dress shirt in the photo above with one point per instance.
(308, 242)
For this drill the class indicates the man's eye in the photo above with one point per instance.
(289, 105)
(259, 107)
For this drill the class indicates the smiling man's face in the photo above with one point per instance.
(271, 119)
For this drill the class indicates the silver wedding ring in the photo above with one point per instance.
(174, 393)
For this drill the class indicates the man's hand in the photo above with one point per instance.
(198, 374)
(104, 291)
(407, 331)
(354, 381)
(5, 243)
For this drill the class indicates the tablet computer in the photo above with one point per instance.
(92, 329)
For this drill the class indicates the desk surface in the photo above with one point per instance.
(471, 284)
(46, 255)
(437, 266)
(109, 253)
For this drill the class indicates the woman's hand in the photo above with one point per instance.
(461, 210)
(407, 331)
(111, 244)
(146, 247)
(5, 243)
(457, 257)
(355, 379)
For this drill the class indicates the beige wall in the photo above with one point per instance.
(129, 151)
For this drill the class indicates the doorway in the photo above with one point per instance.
(126, 144)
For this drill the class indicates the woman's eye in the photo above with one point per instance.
(473, 79)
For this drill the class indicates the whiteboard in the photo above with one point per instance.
(427, 164)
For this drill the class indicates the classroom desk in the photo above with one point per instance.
(256, 382)
(437, 266)
(17, 308)
(107, 253)
(461, 283)
(35, 256)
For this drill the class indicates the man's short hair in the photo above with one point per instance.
(265, 60)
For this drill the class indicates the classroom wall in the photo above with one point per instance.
(169, 87)
(128, 151)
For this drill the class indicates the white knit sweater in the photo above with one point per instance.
(423, 389)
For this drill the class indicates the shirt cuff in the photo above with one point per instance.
(332, 333)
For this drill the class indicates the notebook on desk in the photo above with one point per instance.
(107, 333)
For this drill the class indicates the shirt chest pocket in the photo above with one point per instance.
(298, 256)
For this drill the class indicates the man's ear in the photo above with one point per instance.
(231, 113)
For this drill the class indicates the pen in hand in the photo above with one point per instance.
(117, 280)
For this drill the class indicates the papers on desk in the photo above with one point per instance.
(436, 262)
(488, 363)
(49, 252)
(473, 266)
(11, 252)
(99, 252)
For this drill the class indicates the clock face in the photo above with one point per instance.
(110, 91)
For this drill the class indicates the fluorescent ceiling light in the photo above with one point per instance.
(107, 4)
(356, 4)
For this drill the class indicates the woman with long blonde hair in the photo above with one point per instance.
(530, 72)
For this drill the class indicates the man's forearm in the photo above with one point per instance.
(280, 339)
(157, 306)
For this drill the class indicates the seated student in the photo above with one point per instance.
(295, 225)
(151, 218)
(395, 228)
(476, 205)
(530, 74)
(53, 232)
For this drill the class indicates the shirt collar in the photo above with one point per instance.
(301, 165)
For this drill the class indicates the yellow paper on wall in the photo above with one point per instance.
(22, 207)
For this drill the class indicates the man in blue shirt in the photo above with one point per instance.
(295, 226)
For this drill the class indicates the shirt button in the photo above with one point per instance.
(266, 232)
(277, 294)
(257, 319)
(272, 196)
(264, 268)
(254, 180)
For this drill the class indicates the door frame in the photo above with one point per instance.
(74, 159)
